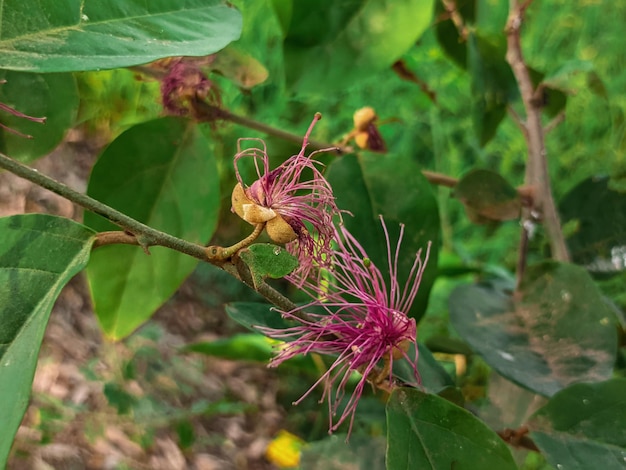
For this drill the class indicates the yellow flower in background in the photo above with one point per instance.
(284, 451)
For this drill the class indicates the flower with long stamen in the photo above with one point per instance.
(363, 322)
(296, 211)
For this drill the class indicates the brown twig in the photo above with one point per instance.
(556, 120)
(440, 179)
(457, 19)
(402, 71)
(518, 438)
(537, 167)
(517, 119)
(204, 111)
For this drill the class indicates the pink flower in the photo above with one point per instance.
(296, 211)
(363, 322)
(185, 81)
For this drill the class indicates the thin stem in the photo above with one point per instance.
(208, 112)
(537, 167)
(556, 120)
(403, 71)
(220, 254)
(135, 233)
(455, 16)
(440, 179)
(146, 236)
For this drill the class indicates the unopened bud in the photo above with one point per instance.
(247, 209)
(280, 231)
(363, 117)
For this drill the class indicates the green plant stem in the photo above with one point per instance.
(537, 176)
(135, 233)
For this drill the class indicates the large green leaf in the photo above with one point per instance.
(72, 35)
(53, 96)
(558, 330)
(598, 214)
(393, 187)
(331, 44)
(582, 427)
(428, 432)
(39, 254)
(163, 174)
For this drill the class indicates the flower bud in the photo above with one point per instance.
(248, 210)
(280, 231)
(238, 198)
(363, 117)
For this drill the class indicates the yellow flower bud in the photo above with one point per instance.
(256, 214)
(248, 210)
(238, 199)
(363, 117)
(279, 230)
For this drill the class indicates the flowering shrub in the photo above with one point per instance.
(527, 315)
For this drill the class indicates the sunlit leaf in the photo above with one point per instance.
(53, 96)
(582, 427)
(162, 173)
(429, 432)
(556, 331)
(39, 254)
(332, 44)
(243, 347)
(240, 67)
(73, 35)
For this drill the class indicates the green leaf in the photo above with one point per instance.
(334, 453)
(582, 427)
(250, 347)
(74, 35)
(240, 67)
(332, 44)
(253, 314)
(428, 432)
(39, 254)
(53, 96)
(487, 197)
(162, 173)
(393, 186)
(599, 215)
(283, 10)
(267, 260)
(557, 331)
(242, 347)
(119, 398)
(492, 85)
